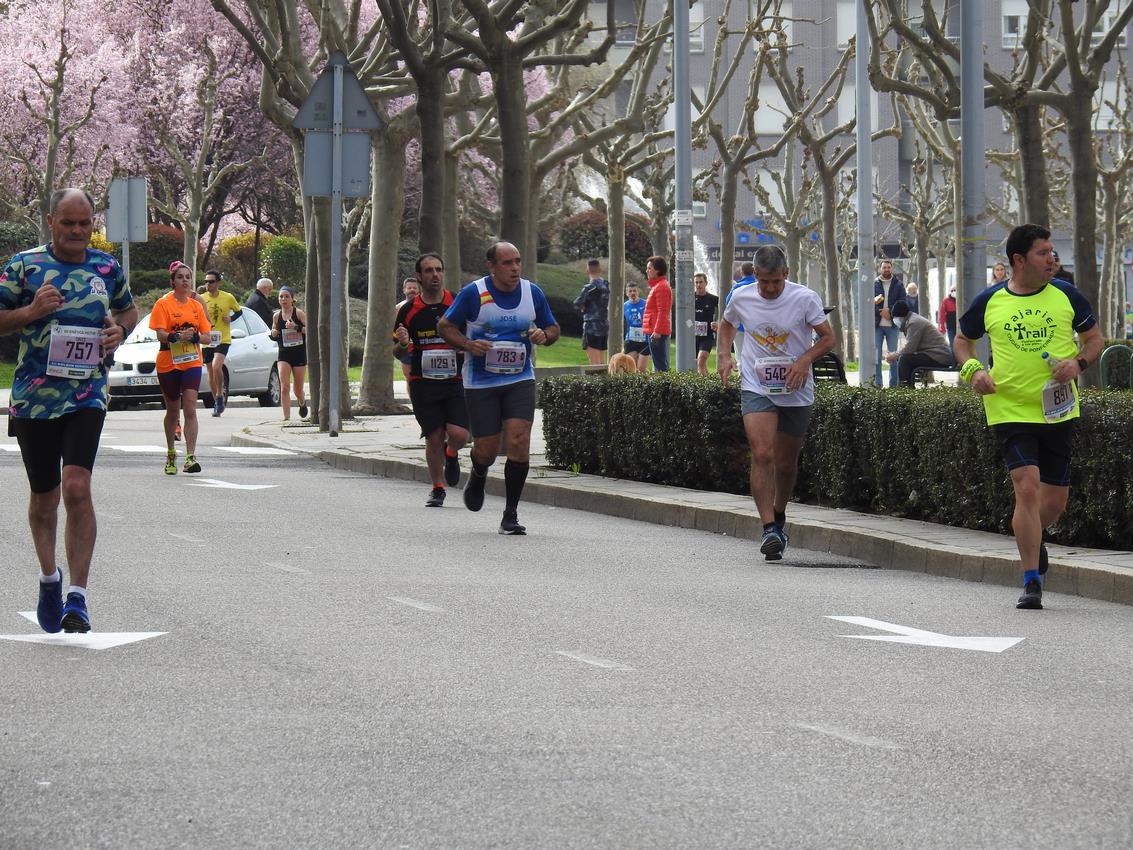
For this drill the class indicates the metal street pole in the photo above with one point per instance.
(973, 210)
(681, 277)
(866, 341)
(335, 419)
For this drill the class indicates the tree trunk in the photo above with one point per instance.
(431, 115)
(1035, 186)
(451, 255)
(1112, 279)
(728, 193)
(388, 197)
(616, 229)
(833, 294)
(191, 223)
(1084, 179)
(511, 102)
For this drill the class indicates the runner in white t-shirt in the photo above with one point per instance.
(780, 321)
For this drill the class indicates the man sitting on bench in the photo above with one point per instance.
(924, 345)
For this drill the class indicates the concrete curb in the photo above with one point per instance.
(886, 542)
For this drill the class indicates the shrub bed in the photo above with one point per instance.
(922, 454)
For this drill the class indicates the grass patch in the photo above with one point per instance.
(7, 374)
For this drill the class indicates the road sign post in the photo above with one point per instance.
(127, 217)
(338, 117)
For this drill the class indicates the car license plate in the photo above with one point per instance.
(142, 381)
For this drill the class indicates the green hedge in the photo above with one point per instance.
(922, 454)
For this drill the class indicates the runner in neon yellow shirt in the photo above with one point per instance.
(221, 308)
(1030, 398)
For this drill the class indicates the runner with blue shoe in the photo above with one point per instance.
(71, 306)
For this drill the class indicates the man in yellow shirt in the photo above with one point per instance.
(1043, 336)
(221, 308)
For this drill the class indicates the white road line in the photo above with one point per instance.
(254, 450)
(10, 447)
(849, 737)
(186, 538)
(604, 663)
(414, 603)
(225, 485)
(287, 568)
(149, 450)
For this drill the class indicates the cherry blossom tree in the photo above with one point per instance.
(63, 78)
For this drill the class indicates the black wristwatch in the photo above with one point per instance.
(1082, 364)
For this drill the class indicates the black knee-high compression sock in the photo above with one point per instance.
(515, 476)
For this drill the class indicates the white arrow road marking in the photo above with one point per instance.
(917, 637)
(149, 450)
(413, 603)
(254, 450)
(287, 568)
(186, 538)
(225, 485)
(90, 640)
(604, 663)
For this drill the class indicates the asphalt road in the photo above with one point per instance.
(341, 667)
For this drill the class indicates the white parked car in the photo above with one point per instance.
(249, 368)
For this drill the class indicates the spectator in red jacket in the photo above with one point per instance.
(657, 321)
(946, 316)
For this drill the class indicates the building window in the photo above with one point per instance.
(847, 22)
(1103, 26)
(782, 19)
(696, 28)
(625, 16)
(1013, 30)
(699, 209)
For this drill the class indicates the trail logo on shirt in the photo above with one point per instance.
(772, 339)
(1030, 329)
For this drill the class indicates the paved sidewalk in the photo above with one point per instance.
(389, 446)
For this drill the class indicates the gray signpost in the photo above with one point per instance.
(127, 218)
(338, 119)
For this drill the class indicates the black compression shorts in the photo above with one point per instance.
(47, 445)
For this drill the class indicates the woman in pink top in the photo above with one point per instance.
(657, 321)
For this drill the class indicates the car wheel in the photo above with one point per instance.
(272, 397)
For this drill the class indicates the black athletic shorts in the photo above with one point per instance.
(47, 445)
(437, 404)
(705, 343)
(636, 347)
(294, 356)
(598, 341)
(490, 406)
(1045, 445)
(220, 349)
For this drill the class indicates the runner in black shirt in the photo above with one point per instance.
(436, 387)
(705, 321)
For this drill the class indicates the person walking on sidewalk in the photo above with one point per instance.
(180, 323)
(781, 319)
(436, 384)
(289, 330)
(658, 318)
(1030, 395)
(72, 307)
(504, 315)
